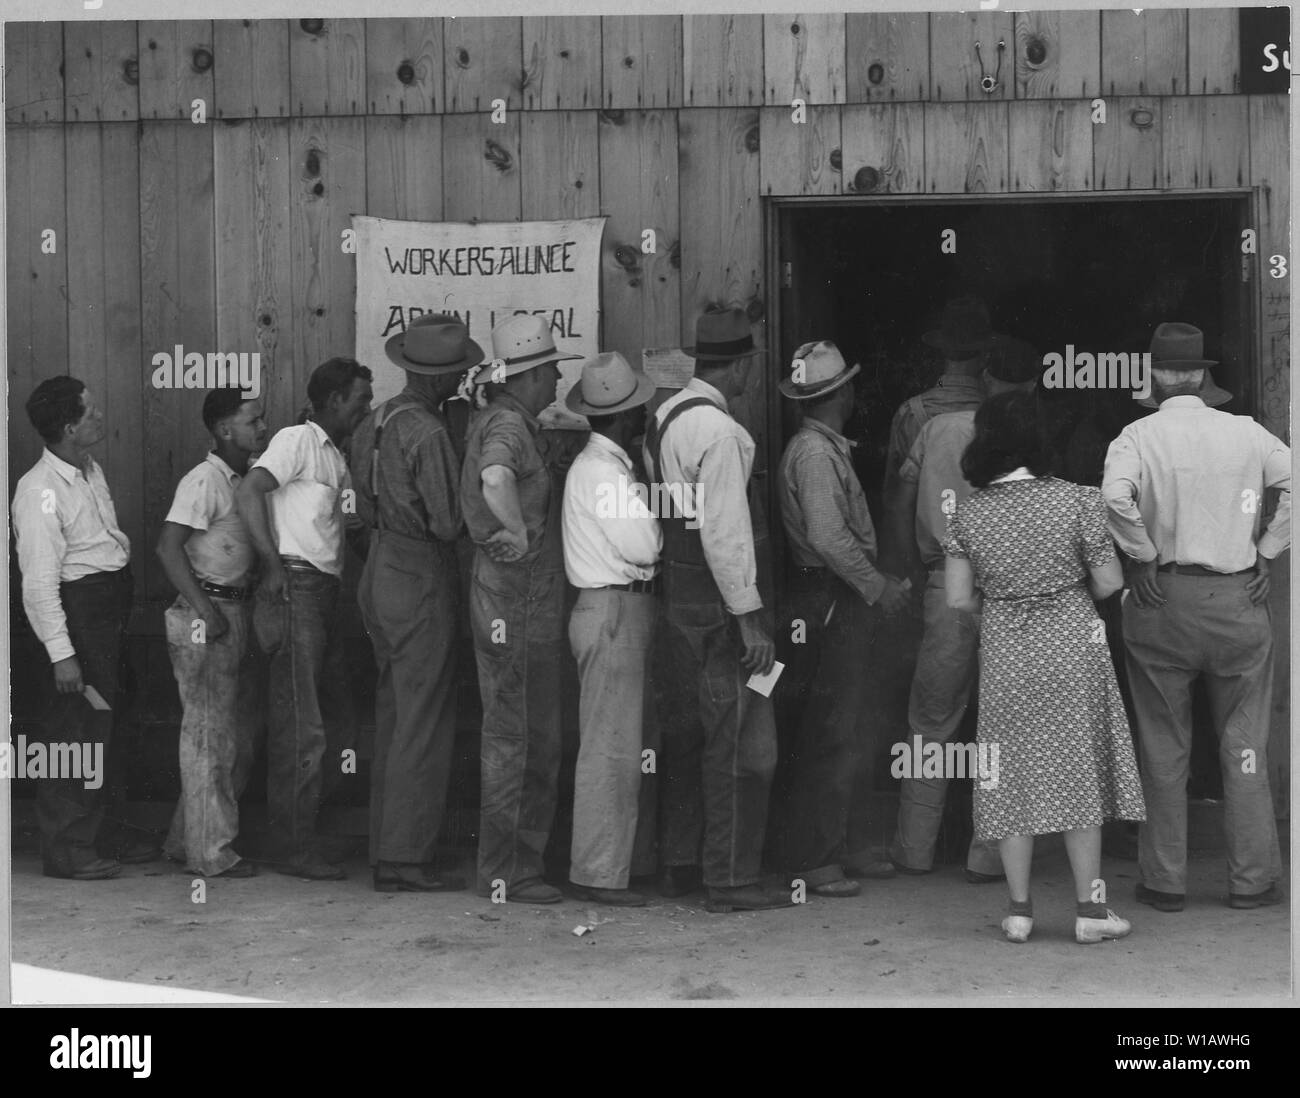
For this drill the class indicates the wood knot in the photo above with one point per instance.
(312, 26)
(866, 180)
(497, 155)
(152, 44)
(626, 256)
(837, 160)
(751, 139)
(462, 58)
(313, 162)
(131, 71)
(265, 320)
(1036, 51)
(564, 55)
(318, 190)
(201, 59)
(628, 62)
(1142, 117)
(675, 255)
(795, 28)
(406, 73)
(875, 72)
(247, 22)
(613, 117)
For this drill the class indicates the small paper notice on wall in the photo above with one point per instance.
(763, 684)
(668, 367)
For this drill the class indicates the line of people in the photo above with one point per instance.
(256, 548)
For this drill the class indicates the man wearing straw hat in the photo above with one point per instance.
(511, 499)
(838, 595)
(611, 554)
(1185, 492)
(719, 757)
(408, 482)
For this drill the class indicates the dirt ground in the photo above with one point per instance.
(933, 938)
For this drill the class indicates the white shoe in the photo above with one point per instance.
(1017, 927)
(1088, 931)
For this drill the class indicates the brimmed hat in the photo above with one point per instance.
(609, 384)
(1013, 360)
(434, 344)
(964, 329)
(522, 342)
(1176, 346)
(722, 335)
(824, 371)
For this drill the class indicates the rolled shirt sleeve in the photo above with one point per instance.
(41, 546)
(725, 529)
(1120, 487)
(1277, 474)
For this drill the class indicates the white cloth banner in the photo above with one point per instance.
(482, 274)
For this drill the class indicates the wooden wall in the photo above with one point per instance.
(226, 235)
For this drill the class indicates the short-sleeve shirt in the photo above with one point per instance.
(1030, 537)
(505, 433)
(306, 510)
(220, 550)
(934, 466)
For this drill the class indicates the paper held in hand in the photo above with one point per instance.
(763, 684)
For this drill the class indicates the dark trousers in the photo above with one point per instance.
(310, 711)
(68, 813)
(408, 600)
(719, 742)
(517, 618)
(823, 701)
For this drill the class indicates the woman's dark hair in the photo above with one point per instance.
(1008, 434)
(54, 404)
(334, 376)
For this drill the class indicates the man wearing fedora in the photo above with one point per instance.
(964, 338)
(719, 754)
(1185, 492)
(611, 555)
(408, 481)
(836, 597)
(511, 498)
(931, 488)
(298, 506)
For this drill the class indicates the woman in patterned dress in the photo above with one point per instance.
(1028, 550)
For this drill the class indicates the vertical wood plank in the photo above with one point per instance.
(641, 294)
(404, 59)
(1270, 142)
(480, 168)
(803, 58)
(1058, 54)
(889, 140)
(484, 61)
(101, 71)
(1205, 141)
(722, 59)
(795, 158)
(33, 72)
(176, 62)
(178, 306)
(559, 165)
(1051, 145)
(252, 70)
(327, 185)
(888, 57)
(1144, 53)
(253, 248)
(641, 60)
(966, 148)
(562, 62)
(404, 167)
(37, 280)
(327, 66)
(1213, 51)
(1126, 155)
(957, 66)
(104, 306)
(722, 234)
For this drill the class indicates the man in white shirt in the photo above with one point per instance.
(207, 554)
(296, 501)
(611, 555)
(77, 594)
(1185, 491)
(718, 756)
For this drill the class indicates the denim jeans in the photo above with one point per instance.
(69, 814)
(408, 598)
(516, 616)
(719, 741)
(309, 707)
(946, 669)
(1207, 626)
(218, 684)
(610, 632)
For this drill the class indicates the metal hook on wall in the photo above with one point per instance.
(989, 84)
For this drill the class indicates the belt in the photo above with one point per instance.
(237, 594)
(116, 576)
(1197, 570)
(297, 564)
(637, 587)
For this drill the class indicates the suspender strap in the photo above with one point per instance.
(385, 412)
(681, 544)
